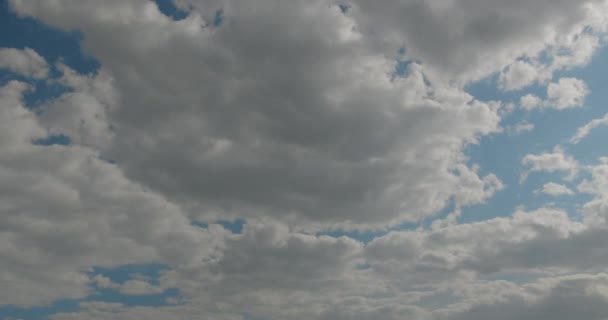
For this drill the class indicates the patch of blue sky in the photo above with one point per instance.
(344, 7)
(41, 90)
(125, 273)
(402, 67)
(501, 154)
(38, 312)
(150, 300)
(234, 226)
(218, 18)
(53, 140)
(118, 275)
(51, 43)
(121, 274)
(168, 8)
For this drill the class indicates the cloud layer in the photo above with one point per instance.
(312, 122)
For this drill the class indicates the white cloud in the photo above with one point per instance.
(563, 94)
(519, 75)
(410, 272)
(139, 287)
(567, 93)
(472, 39)
(584, 131)
(530, 101)
(521, 127)
(555, 189)
(26, 62)
(555, 161)
(597, 184)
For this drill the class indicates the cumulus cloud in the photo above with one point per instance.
(439, 274)
(556, 161)
(26, 62)
(567, 93)
(470, 39)
(290, 116)
(530, 101)
(563, 94)
(519, 75)
(333, 136)
(65, 210)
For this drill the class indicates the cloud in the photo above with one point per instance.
(567, 93)
(139, 287)
(65, 211)
(438, 274)
(519, 75)
(323, 123)
(550, 162)
(555, 189)
(597, 184)
(530, 101)
(472, 39)
(26, 62)
(563, 94)
(584, 131)
(521, 127)
(552, 298)
(290, 116)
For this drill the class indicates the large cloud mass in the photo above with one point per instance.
(300, 118)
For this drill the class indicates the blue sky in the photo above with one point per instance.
(265, 220)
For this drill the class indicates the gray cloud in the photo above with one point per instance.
(290, 115)
(26, 62)
(313, 112)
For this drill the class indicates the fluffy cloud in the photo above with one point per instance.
(564, 297)
(291, 116)
(530, 101)
(469, 39)
(25, 62)
(64, 210)
(567, 93)
(439, 274)
(563, 94)
(519, 75)
(333, 136)
(556, 161)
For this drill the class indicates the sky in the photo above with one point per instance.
(305, 159)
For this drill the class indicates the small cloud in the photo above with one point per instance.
(564, 94)
(567, 93)
(520, 127)
(556, 161)
(530, 101)
(584, 131)
(139, 287)
(555, 190)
